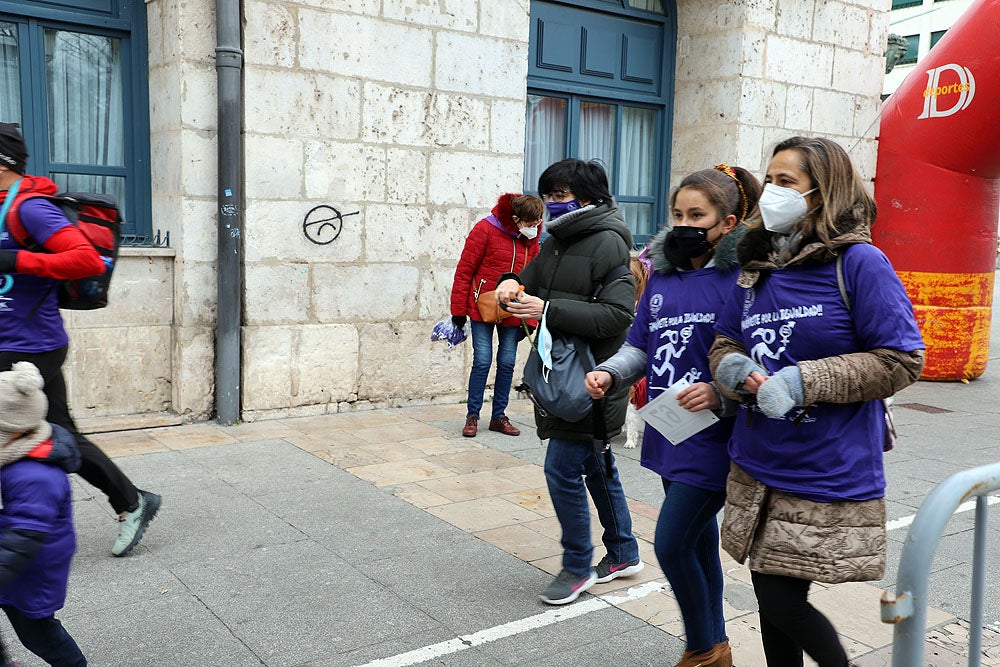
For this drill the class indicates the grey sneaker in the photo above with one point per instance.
(567, 587)
(131, 528)
(606, 570)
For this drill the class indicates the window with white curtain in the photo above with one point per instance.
(79, 93)
(622, 137)
(10, 67)
(84, 85)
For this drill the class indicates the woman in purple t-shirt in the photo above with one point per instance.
(817, 330)
(694, 270)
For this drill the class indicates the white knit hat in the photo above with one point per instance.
(23, 405)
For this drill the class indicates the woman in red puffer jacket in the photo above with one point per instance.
(503, 242)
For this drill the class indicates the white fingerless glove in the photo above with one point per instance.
(782, 392)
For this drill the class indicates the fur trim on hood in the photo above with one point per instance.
(756, 249)
(725, 252)
(504, 212)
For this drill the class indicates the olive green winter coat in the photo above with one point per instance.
(583, 246)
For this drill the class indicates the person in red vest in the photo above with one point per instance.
(31, 327)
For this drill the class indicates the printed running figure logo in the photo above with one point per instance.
(762, 350)
(669, 351)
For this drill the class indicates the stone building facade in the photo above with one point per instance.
(412, 115)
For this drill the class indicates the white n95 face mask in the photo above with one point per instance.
(529, 232)
(780, 207)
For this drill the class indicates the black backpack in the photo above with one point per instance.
(97, 216)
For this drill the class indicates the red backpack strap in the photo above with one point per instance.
(31, 187)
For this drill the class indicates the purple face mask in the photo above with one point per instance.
(557, 209)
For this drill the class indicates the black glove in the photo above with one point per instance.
(458, 320)
(8, 258)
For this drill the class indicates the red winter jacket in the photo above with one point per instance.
(490, 251)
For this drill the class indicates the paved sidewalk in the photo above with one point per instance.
(384, 535)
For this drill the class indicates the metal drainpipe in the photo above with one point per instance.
(229, 67)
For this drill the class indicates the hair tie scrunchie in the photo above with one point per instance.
(728, 171)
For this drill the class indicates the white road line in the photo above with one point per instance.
(517, 627)
(905, 521)
(561, 614)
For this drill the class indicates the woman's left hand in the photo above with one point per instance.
(699, 396)
(526, 307)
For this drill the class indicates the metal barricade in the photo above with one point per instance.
(908, 609)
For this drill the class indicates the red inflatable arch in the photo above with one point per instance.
(937, 190)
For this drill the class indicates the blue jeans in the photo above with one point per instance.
(46, 638)
(687, 546)
(567, 464)
(482, 359)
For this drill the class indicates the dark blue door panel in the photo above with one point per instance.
(603, 52)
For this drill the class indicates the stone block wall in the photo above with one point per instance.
(120, 360)
(752, 73)
(410, 115)
(182, 116)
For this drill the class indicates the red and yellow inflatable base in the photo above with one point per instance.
(938, 192)
(953, 312)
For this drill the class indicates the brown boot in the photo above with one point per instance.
(503, 425)
(471, 426)
(720, 655)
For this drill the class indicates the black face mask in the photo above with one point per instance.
(684, 243)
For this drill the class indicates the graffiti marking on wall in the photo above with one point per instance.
(323, 224)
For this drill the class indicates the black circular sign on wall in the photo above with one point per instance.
(323, 224)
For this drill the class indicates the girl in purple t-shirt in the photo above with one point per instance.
(694, 270)
(816, 331)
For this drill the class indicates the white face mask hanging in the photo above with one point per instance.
(543, 341)
(781, 207)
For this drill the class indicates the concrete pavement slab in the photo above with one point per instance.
(289, 603)
(175, 629)
(604, 637)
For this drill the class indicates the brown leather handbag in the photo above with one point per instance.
(490, 309)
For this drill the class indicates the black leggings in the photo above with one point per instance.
(790, 625)
(96, 468)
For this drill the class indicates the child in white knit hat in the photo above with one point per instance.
(37, 539)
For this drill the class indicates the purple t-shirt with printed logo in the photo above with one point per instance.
(29, 311)
(828, 451)
(675, 326)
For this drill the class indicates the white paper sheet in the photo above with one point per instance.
(672, 421)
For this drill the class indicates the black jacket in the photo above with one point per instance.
(582, 248)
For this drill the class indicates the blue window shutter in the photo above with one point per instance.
(606, 53)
